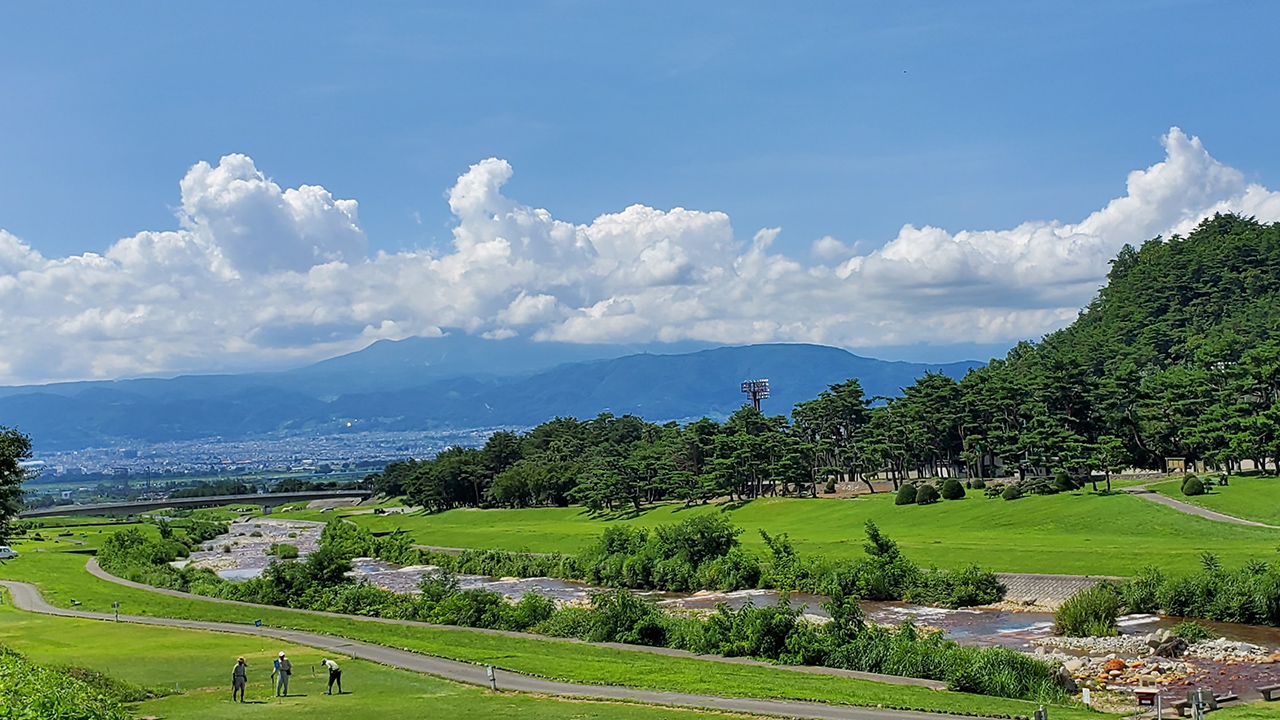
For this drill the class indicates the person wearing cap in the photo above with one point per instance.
(335, 674)
(284, 668)
(239, 678)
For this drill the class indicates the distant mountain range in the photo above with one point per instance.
(451, 382)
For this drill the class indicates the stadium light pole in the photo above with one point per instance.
(757, 390)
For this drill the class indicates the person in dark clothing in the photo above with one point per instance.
(335, 674)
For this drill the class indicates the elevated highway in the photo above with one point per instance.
(266, 501)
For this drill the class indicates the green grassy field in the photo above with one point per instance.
(62, 578)
(1072, 533)
(1251, 498)
(62, 521)
(199, 665)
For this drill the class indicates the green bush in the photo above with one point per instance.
(952, 489)
(968, 586)
(1142, 593)
(284, 551)
(1249, 595)
(1063, 482)
(906, 495)
(1192, 632)
(1192, 486)
(977, 484)
(830, 487)
(29, 691)
(780, 633)
(624, 617)
(1036, 486)
(1092, 612)
(926, 495)
(1011, 492)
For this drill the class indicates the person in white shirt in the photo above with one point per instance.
(283, 670)
(335, 674)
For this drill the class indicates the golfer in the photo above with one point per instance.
(283, 670)
(335, 674)
(239, 678)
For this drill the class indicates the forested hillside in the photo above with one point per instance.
(1178, 356)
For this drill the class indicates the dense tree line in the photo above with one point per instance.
(216, 489)
(1178, 356)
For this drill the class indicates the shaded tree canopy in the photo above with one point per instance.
(14, 448)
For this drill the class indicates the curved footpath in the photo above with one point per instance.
(27, 597)
(1143, 492)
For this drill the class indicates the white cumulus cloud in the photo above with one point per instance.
(257, 275)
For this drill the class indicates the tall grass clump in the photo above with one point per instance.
(1092, 612)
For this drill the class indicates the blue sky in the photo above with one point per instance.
(841, 120)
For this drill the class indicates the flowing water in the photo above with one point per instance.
(970, 626)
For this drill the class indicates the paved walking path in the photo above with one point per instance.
(1143, 492)
(27, 597)
(97, 571)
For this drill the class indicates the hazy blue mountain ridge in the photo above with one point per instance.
(456, 382)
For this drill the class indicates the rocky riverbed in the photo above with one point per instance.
(1117, 664)
(1125, 662)
(241, 553)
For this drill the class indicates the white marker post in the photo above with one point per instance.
(493, 681)
(116, 606)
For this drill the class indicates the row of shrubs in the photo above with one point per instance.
(925, 493)
(703, 552)
(1248, 595)
(1036, 485)
(28, 690)
(782, 634)
(928, 493)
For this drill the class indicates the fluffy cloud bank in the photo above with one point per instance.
(257, 275)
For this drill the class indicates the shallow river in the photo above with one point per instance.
(248, 542)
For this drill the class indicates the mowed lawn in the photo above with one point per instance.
(199, 665)
(62, 578)
(1070, 533)
(1251, 498)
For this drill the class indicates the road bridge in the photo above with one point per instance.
(266, 501)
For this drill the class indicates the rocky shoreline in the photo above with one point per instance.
(1122, 663)
(1163, 644)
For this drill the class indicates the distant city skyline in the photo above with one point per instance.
(921, 182)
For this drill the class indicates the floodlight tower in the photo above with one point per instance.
(757, 390)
